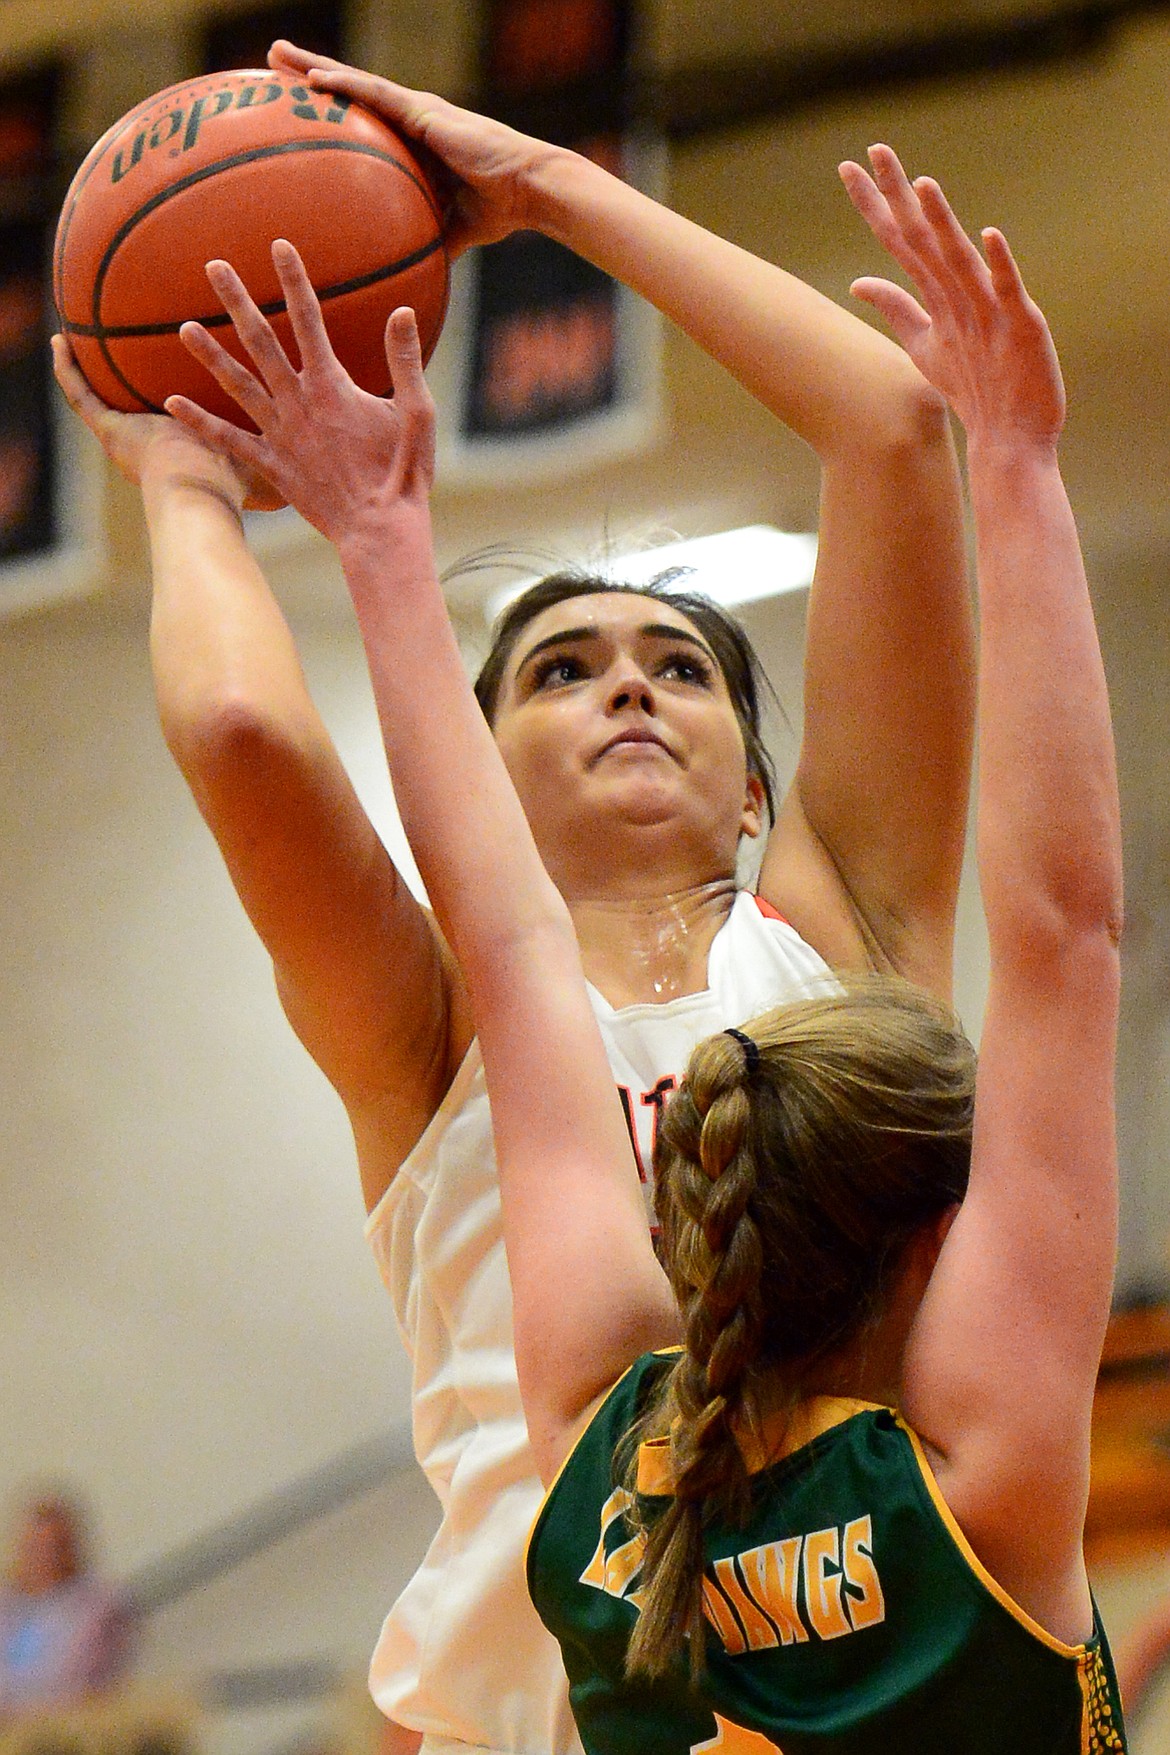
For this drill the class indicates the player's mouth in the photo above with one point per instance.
(634, 736)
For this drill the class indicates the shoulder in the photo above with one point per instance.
(756, 917)
(759, 958)
(598, 1449)
(595, 1469)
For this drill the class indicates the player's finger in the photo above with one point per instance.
(285, 57)
(968, 271)
(913, 234)
(916, 234)
(74, 388)
(412, 396)
(890, 177)
(252, 327)
(404, 351)
(303, 307)
(1004, 269)
(865, 195)
(1028, 320)
(901, 311)
(228, 373)
(250, 452)
(407, 109)
(876, 205)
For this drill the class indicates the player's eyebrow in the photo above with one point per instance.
(581, 636)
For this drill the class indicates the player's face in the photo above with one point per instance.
(613, 713)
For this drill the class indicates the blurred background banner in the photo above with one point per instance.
(549, 360)
(233, 38)
(29, 193)
(544, 337)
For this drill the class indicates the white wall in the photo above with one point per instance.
(319, 1595)
(188, 1310)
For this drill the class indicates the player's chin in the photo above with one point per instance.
(653, 796)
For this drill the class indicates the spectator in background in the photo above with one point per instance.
(65, 1634)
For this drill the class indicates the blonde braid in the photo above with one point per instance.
(719, 1267)
(811, 1153)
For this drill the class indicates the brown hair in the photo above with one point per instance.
(734, 653)
(790, 1179)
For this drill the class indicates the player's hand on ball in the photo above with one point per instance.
(344, 458)
(488, 166)
(135, 443)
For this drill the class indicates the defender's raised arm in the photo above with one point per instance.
(1003, 1361)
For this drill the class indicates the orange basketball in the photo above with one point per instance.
(221, 166)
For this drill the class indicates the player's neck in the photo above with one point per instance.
(650, 948)
(869, 1369)
(870, 1365)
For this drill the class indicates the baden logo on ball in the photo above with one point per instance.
(219, 167)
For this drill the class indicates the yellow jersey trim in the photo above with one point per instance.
(971, 1557)
(780, 1436)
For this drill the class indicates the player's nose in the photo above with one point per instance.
(627, 685)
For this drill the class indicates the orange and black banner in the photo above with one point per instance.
(28, 196)
(544, 341)
(242, 39)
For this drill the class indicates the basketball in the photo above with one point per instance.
(219, 167)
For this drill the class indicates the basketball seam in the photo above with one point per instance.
(271, 308)
(81, 177)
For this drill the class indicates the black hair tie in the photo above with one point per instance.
(751, 1052)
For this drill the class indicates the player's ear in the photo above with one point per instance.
(751, 821)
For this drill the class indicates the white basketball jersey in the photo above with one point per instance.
(462, 1655)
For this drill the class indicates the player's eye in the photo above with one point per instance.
(686, 666)
(556, 669)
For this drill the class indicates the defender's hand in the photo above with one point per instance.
(345, 459)
(976, 335)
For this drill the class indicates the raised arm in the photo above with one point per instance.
(1004, 1356)
(362, 975)
(866, 854)
(588, 1294)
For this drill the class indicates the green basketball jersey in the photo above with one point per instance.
(846, 1616)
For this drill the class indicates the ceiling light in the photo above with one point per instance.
(732, 567)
